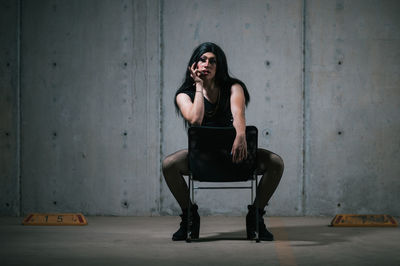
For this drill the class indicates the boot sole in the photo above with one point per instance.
(253, 237)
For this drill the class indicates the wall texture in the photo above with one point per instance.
(90, 107)
(93, 115)
(9, 113)
(353, 90)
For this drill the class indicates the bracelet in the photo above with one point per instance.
(199, 91)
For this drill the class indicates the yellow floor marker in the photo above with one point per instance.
(364, 220)
(55, 219)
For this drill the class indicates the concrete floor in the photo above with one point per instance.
(147, 241)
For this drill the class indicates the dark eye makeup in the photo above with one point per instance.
(211, 60)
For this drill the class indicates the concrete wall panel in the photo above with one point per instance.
(262, 41)
(9, 91)
(90, 114)
(353, 72)
(97, 113)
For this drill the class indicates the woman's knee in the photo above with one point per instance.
(269, 161)
(167, 163)
(277, 162)
(175, 162)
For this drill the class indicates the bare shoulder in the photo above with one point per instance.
(182, 98)
(237, 89)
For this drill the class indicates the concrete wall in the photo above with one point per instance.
(90, 107)
(353, 90)
(9, 113)
(97, 114)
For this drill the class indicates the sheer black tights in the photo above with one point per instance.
(269, 165)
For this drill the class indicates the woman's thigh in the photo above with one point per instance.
(177, 160)
(267, 160)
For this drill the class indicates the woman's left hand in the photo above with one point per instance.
(239, 149)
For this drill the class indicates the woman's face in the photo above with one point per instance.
(207, 65)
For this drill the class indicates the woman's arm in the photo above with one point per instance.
(239, 148)
(193, 112)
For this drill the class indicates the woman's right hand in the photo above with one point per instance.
(195, 74)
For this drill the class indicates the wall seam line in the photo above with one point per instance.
(19, 111)
(161, 79)
(305, 111)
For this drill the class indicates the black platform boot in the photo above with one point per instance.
(251, 229)
(181, 234)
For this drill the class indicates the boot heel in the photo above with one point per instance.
(195, 231)
(251, 235)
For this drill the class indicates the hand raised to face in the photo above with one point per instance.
(195, 74)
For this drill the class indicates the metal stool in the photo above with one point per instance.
(210, 160)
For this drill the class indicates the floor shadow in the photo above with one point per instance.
(312, 235)
(319, 235)
(224, 236)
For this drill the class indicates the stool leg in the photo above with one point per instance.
(257, 214)
(189, 219)
(252, 191)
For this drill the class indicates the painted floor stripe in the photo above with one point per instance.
(282, 245)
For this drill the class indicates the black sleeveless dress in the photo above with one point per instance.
(215, 115)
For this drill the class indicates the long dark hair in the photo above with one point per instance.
(222, 78)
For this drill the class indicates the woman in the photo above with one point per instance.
(210, 97)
